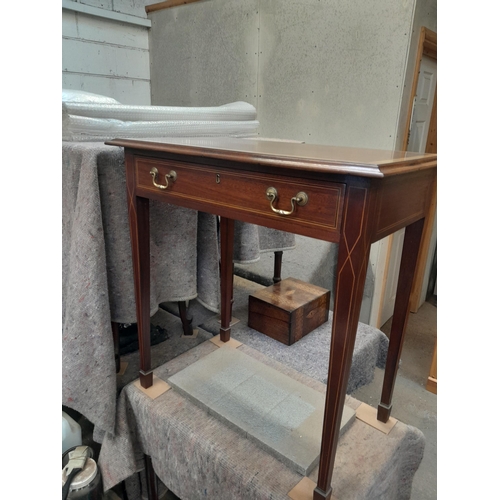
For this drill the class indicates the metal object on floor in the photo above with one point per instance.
(81, 478)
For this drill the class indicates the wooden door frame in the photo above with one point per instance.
(427, 46)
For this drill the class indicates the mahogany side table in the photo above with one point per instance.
(348, 196)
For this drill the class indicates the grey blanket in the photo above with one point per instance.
(197, 456)
(97, 276)
(250, 241)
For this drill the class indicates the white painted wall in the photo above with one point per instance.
(105, 49)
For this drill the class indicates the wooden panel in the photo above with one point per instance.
(244, 193)
(424, 250)
(429, 43)
(267, 319)
(403, 200)
(431, 385)
(292, 156)
(431, 145)
(312, 315)
(288, 310)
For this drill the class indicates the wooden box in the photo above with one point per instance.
(288, 310)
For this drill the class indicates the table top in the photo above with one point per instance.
(289, 154)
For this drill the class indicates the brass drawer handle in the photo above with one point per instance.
(172, 175)
(300, 198)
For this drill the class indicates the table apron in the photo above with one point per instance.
(402, 200)
(241, 195)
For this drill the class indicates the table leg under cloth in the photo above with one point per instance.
(250, 241)
(186, 327)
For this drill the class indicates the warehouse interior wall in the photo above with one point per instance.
(327, 72)
(335, 72)
(105, 49)
(319, 71)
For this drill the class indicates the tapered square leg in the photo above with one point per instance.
(138, 212)
(409, 257)
(226, 276)
(353, 255)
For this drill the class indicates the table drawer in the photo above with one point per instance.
(311, 208)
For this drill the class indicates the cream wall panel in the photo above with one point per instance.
(133, 7)
(205, 54)
(69, 24)
(96, 29)
(101, 4)
(106, 56)
(102, 59)
(331, 72)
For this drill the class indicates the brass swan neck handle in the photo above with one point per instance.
(171, 175)
(300, 199)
